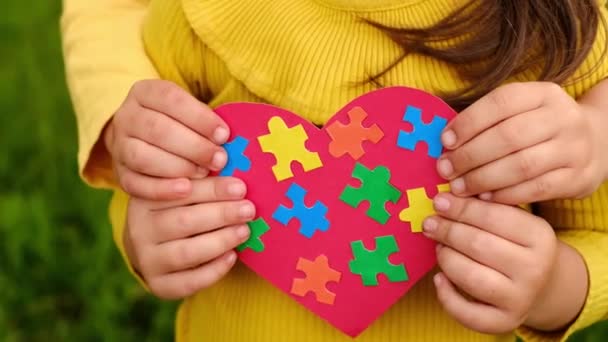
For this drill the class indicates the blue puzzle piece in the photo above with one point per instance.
(428, 133)
(311, 219)
(236, 156)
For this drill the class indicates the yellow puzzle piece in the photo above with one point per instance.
(288, 145)
(420, 207)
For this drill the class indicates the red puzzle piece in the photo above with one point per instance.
(349, 138)
(318, 274)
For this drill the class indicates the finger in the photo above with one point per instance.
(180, 255)
(184, 222)
(150, 160)
(200, 173)
(547, 186)
(498, 219)
(168, 98)
(152, 188)
(186, 283)
(514, 134)
(479, 245)
(210, 189)
(166, 133)
(496, 106)
(476, 316)
(481, 282)
(511, 170)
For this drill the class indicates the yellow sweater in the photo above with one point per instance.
(306, 56)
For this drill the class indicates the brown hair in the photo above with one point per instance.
(494, 40)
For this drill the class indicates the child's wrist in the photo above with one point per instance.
(598, 118)
(562, 300)
(600, 124)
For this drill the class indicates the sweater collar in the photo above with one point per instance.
(367, 5)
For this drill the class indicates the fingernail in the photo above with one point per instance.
(242, 232)
(486, 196)
(236, 189)
(219, 160)
(247, 211)
(441, 203)
(437, 279)
(457, 186)
(181, 186)
(429, 225)
(231, 258)
(448, 138)
(445, 168)
(220, 136)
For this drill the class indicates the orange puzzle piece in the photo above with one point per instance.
(318, 274)
(349, 138)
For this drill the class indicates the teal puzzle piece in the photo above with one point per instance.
(237, 160)
(311, 219)
(428, 133)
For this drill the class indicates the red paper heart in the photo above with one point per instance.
(314, 264)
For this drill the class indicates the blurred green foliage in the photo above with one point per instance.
(61, 277)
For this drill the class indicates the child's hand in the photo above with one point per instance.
(184, 246)
(499, 255)
(160, 137)
(525, 142)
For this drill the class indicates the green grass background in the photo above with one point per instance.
(61, 277)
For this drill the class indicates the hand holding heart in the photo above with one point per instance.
(524, 143)
(499, 255)
(183, 246)
(520, 144)
(160, 137)
(308, 214)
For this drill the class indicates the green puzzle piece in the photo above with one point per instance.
(375, 188)
(368, 264)
(258, 228)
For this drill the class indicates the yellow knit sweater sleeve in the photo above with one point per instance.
(104, 56)
(583, 224)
